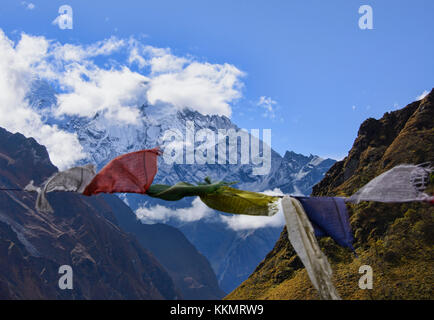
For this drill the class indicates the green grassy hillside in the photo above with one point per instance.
(396, 240)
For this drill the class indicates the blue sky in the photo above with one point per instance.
(323, 74)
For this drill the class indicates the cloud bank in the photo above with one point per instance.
(199, 211)
(185, 82)
(159, 213)
(20, 64)
(113, 77)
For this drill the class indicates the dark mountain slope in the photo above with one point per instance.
(189, 269)
(396, 240)
(107, 263)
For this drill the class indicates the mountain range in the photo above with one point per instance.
(205, 258)
(228, 251)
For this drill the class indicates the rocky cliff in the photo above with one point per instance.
(186, 274)
(107, 263)
(396, 240)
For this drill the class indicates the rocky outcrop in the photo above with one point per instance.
(396, 240)
(107, 263)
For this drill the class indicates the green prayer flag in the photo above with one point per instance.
(183, 189)
(218, 196)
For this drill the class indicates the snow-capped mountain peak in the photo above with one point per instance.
(103, 140)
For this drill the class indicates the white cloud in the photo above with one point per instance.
(269, 105)
(422, 95)
(19, 64)
(88, 89)
(159, 213)
(243, 222)
(179, 81)
(187, 83)
(116, 93)
(135, 57)
(161, 60)
(70, 52)
(28, 5)
(199, 211)
(111, 88)
(275, 192)
(207, 88)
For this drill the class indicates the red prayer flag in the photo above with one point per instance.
(129, 173)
